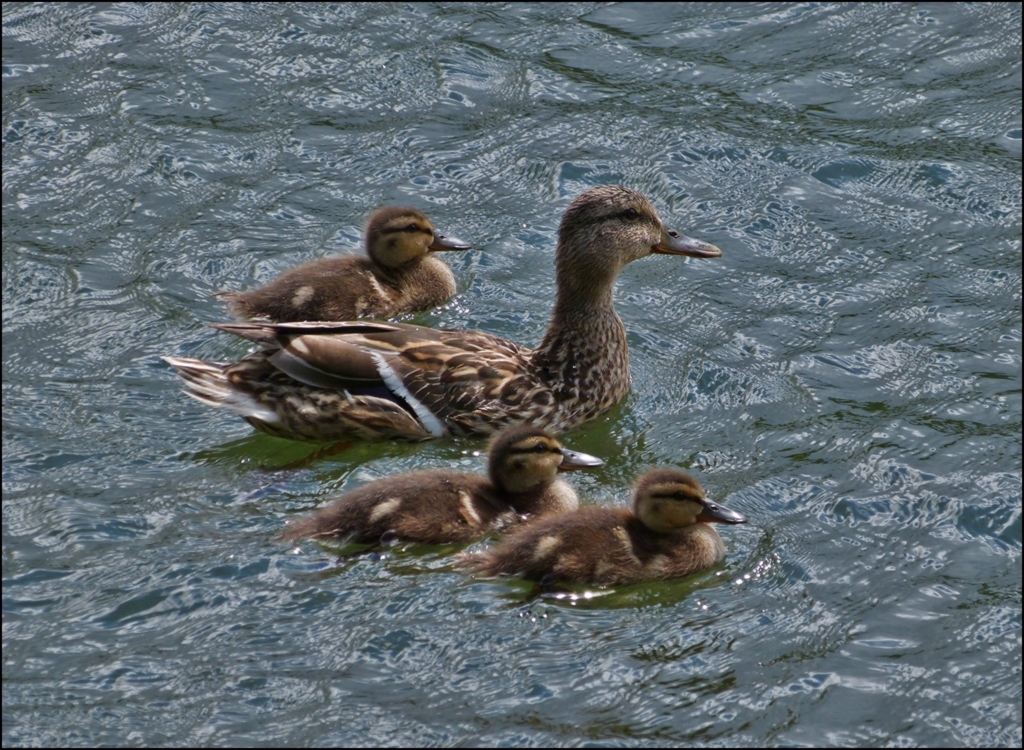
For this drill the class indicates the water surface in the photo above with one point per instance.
(848, 375)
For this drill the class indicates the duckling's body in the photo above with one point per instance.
(346, 288)
(438, 507)
(398, 275)
(665, 535)
(376, 381)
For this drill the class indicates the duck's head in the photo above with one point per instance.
(668, 499)
(607, 227)
(396, 235)
(524, 458)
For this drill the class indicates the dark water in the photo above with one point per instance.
(848, 375)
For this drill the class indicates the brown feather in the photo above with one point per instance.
(610, 546)
(437, 507)
(392, 381)
(396, 277)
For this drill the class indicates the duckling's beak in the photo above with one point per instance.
(572, 460)
(673, 243)
(448, 243)
(719, 513)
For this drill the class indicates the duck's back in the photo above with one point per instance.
(324, 289)
(346, 288)
(582, 546)
(432, 507)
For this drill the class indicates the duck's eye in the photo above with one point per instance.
(631, 213)
(412, 228)
(540, 448)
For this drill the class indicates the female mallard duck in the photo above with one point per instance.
(398, 276)
(439, 507)
(665, 535)
(380, 381)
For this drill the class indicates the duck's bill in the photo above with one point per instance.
(713, 512)
(673, 243)
(448, 243)
(573, 460)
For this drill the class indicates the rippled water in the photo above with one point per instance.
(848, 375)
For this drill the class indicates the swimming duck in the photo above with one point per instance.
(379, 381)
(438, 507)
(400, 275)
(667, 534)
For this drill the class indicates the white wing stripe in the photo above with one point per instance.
(431, 423)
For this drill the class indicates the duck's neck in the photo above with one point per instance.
(424, 280)
(549, 497)
(394, 275)
(583, 357)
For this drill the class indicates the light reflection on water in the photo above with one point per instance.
(847, 375)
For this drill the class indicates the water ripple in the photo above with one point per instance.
(847, 375)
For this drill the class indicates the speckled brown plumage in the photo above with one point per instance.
(395, 381)
(437, 507)
(665, 535)
(398, 275)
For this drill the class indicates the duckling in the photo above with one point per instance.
(667, 534)
(439, 507)
(399, 276)
(391, 381)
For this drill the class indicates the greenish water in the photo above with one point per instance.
(848, 375)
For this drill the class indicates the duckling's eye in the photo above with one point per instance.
(412, 228)
(540, 448)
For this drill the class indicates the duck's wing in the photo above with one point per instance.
(452, 380)
(320, 354)
(471, 381)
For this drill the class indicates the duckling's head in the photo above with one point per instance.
(607, 227)
(524, 458)
(668, 499)
(396, 235)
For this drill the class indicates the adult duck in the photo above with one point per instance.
(398, 275)
(390, 381)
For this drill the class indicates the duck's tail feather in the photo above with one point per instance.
(208, 382)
